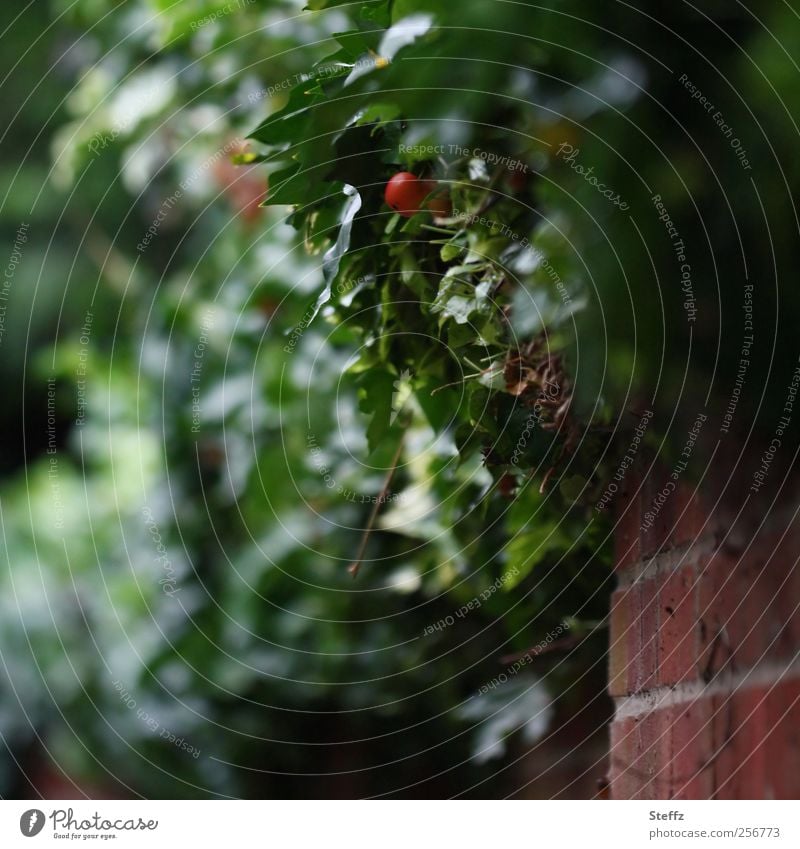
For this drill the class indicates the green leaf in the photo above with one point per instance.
(318, 5)
(378, 114)
(290, 124)
(291, 185)
(450, 250)
(357, 157)
(356, 42)
(459, 300)
(376, 388)
(478, 402)
(439, 405)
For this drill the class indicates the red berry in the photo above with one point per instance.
(405, 193)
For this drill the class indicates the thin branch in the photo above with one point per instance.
(356, 564)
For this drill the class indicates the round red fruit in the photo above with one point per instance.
(406, 192)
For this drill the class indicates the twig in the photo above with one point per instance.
(456, 382)
(490, 198)
(356, 564)
(546, 479)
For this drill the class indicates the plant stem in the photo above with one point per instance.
(356, 564)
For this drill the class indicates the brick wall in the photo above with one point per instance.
(704, 639)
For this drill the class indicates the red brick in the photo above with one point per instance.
(651, 755)
(678, 634)
(711, 620)
(768, 572)
(719, 621)
(745, 602)
(692, 745)
(783, 743)
(637, 748)
(618, 660)
(623, 781)
(642, 636)
(740, 732)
